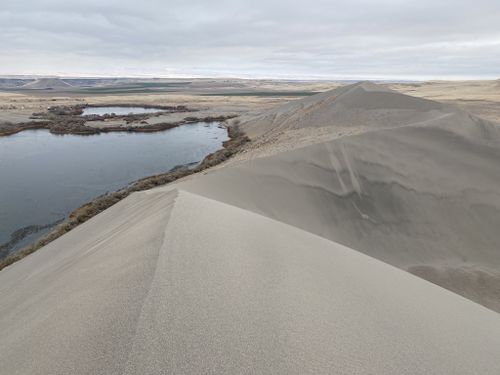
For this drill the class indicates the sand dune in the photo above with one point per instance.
(423, 196)
(363, 104)
(47, 83)
(245, 269)
(410, 197)
(177, 283)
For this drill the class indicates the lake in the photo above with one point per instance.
(43, 177)
(119, 111)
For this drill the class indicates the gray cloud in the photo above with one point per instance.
(273, 38)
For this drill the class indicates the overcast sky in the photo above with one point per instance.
(350, 39)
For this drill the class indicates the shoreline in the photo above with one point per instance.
(65, 120)
(237, 138)
(20, 234)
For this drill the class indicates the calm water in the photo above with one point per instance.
(121, 111)
(43, 177)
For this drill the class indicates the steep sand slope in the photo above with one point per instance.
(410, 197)
(177, 283)
(73, 305)
(424, 197)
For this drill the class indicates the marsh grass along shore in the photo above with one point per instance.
(70, 120)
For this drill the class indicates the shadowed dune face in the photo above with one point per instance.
(472, 282)
(425, 197)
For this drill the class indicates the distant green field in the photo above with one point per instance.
(160, 87)
(266, 93)
(121, 91)
(139, 87)
(132, 88)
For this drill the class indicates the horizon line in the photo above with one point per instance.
(408, 78)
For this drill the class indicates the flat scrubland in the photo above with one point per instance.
(229, 97)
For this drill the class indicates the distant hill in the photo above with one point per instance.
(13, 82)
(47, 83)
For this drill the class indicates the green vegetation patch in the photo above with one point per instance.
(265, 93)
